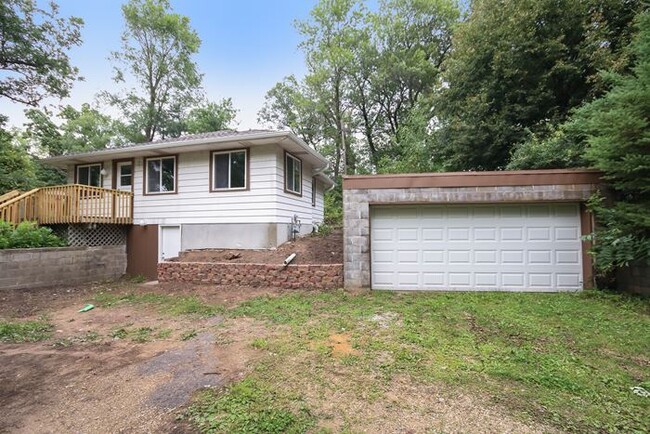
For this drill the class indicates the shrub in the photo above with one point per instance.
(27, 235)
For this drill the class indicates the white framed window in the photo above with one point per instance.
(229, 170)
(160, 175)
(90, 174)
(314, 187)
(292, 174)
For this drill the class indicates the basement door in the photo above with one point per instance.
(527, 247)
(170, 242)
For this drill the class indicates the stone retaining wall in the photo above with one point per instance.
(324, 276)
(33, 268)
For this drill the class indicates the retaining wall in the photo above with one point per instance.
(32, 268)
(323, 276)
(635, 278)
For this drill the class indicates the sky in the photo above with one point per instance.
(247, 47)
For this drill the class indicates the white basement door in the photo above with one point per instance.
(534, 247)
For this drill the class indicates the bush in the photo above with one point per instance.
(27, 235)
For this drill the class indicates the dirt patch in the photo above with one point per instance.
(84, 379)
(341, 346)
(311, 249)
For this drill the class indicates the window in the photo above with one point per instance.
(229, 170)
(160, 175)
(90, 174)
(314, 186)
(293, 174)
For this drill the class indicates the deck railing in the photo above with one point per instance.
(71, 203)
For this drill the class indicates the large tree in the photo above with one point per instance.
(34, 45)
(617, 129)
(80, 130)
(367, 72)
(519, 67)
(157, 56)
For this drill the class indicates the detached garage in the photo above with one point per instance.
(495, 231)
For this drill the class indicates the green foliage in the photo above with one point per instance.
(518, 66)
(17, 169)
(78, 131)
(249, 406)
(157, 54)
(539, 356)
(334, 206)
(560, 147)
(27, 235)
(34, 55)
(618, 134)
(25, 331)
(211, 116)
(367, 72)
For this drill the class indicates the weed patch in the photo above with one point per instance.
(25, 331)
(249, 406)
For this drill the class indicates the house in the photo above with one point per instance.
(225, 189)
(469, 231)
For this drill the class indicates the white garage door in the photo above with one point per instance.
(476, 247)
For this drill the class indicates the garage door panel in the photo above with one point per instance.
(497, 247)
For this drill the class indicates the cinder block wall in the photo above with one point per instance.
(33, 268)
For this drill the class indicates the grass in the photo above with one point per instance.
(249, 406)
(567, 360)
(167, 304)
(24, 331)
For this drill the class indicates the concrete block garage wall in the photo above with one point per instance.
(32, 268)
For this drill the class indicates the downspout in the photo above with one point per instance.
(321, 170)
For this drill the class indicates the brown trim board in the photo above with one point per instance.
(474, 179)
(142, 251)
(586, 228)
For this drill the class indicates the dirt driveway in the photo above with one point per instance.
(124, 368)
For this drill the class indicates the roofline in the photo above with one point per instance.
(474, 179)
(201, 141)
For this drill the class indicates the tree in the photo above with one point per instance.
(211, 116)
(80, 130)
(18, 171)
(518, 67)
(34, 46)
(618, 136)
(156, 54)
(367, 71)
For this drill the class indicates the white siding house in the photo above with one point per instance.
(256, 213)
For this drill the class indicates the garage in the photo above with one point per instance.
(469, 231)
(476, 247)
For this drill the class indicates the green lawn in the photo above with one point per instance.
(566, 361)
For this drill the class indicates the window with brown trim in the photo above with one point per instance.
(229, 170)
(160, 175)
(292, 174)
(89, 174)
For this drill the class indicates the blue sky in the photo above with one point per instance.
(247, 47)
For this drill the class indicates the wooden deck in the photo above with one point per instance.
(71, 203)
